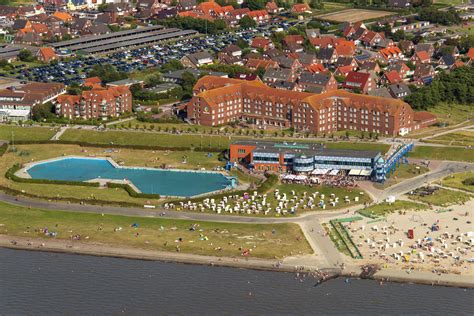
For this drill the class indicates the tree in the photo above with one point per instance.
(42, 111)
(242, 43)
(316, 4)
(107, 73)
(26, 55)
(398, 35)
(256, 4)
(247, 22)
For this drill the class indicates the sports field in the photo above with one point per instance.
(353, 15)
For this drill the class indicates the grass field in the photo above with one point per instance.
(28, 153)
(353, 15)
(455, 181)
(146, 139)
(443, 197)
(404, 171)
(443, 153)
(450, 2)
(451, 114)
(384, 208)
(203, 238)
(459, 138)
(26, 133)
(190, 140)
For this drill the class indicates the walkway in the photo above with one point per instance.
(59, 133)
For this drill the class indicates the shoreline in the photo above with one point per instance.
(102, 250)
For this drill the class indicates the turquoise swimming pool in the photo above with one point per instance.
(147, 180)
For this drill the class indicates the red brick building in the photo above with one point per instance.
(219, 101)
(98, 103)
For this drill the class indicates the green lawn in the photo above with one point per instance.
(384, 208)
(207, 238)
(189, 139)
(26, 133)
(455, 181)
(451, 114)
(443, 197)
(146, 139)
(460, 138)
(404, 171)
(443, 153)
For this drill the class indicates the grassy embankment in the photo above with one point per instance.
(443, 153)
(190, 140)
(384, 208)
(456, 181)
(459, 138)
(207, 238)
(449, 114)
(443, 197)
(403, 172)
(26, 133)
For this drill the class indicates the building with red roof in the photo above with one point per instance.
(359, 81)
(420, 57)
(261, 42)
(300, 8)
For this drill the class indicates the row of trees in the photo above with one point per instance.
(200, 25)
(454, 87)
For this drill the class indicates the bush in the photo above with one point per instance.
(3, 149)
(468, 181)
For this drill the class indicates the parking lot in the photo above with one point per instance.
(139, 59)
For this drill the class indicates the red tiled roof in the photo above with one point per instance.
(393, 76)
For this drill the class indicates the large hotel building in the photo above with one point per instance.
(219, 101)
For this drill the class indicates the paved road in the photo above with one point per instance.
(444, 169)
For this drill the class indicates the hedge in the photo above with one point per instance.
(99, 145)
(132, 191)
(10, 174)
(3, 149)
(14, 192)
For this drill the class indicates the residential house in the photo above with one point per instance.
(446, 61)
(300, 8)
(406, 46)
(261, 43)
(273, 75)
(400, 67)
(382, 92)
(371, 38)
(359, 81)
(371, 67)
(426, 47)
(399, 90)
(424, 74)
(326, 56)
(391, 77)
(317, 82)
(197, 59)
(255, 63)
(46, 54)
(259, 16)
(186, 5)
(420, 57)
(391, 53)
(272, 7)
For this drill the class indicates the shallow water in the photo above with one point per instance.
(49, 283)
